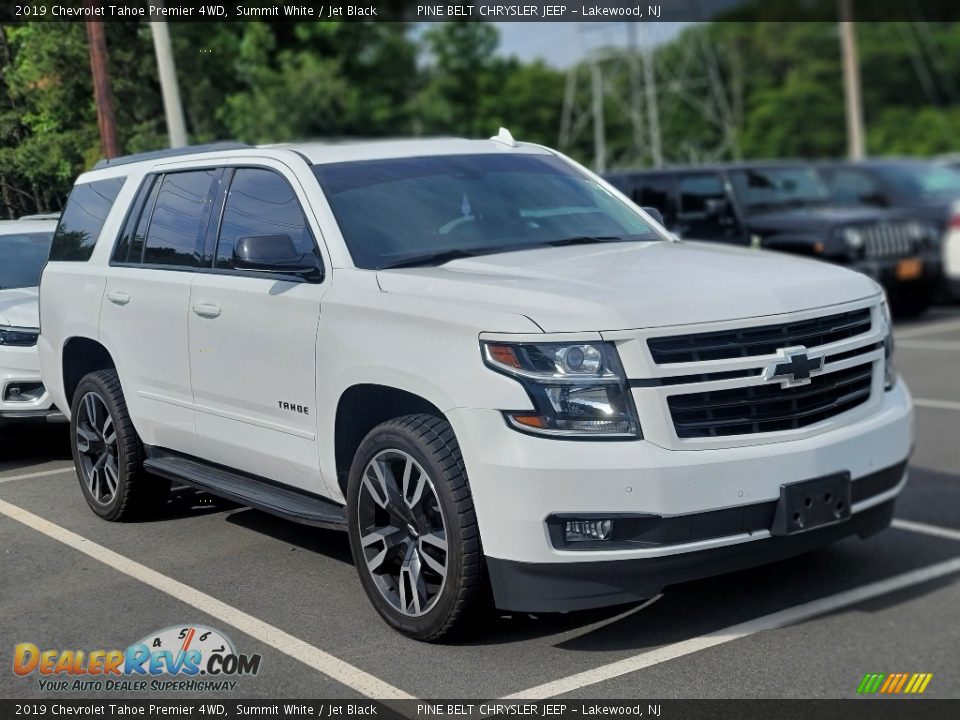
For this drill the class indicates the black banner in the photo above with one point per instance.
(854, 709)
(489, 10)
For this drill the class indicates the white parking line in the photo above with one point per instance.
(937, 404)
(925, 529)
(313, 657)
(41, 473)
(929, 344)
(780, 619)
(931, 329)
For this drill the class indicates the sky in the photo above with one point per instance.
(561, 44)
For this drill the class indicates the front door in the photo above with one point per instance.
(253, 339)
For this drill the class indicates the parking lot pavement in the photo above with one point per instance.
(811, 626)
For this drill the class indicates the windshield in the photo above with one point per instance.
(393, 211)
(918, 181)
(22, 257)
(759, 188)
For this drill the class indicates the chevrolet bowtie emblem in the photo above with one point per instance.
(794, 367)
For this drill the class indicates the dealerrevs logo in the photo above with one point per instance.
(193, 657)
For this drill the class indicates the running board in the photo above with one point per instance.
(248, 490)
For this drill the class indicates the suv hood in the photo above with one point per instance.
(621, 286)
(19, 307)
(816, 218)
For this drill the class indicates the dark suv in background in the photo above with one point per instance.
(930, 190)
(789, 207)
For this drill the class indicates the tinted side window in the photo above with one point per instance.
(83, 219)
(853, 186)
(261, 202)
(697, 190)
(179, 221)
(130, 247)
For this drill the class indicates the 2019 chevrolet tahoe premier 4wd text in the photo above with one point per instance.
(500, 376)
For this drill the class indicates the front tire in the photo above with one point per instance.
(413, 529)
(108, 454)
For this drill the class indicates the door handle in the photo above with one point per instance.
(206, 310)
(118, 297)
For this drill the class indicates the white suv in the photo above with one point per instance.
(24, 245)
(499, 376)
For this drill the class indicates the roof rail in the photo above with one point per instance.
(170, 152)
(41, 216)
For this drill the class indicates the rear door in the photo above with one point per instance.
(143, 317)
(253, 336)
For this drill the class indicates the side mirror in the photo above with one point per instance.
(654, 213)
(271, 253)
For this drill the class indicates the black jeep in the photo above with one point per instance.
(788, 207)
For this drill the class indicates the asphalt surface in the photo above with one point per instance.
(301, 607)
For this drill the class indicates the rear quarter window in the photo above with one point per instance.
(83, 219)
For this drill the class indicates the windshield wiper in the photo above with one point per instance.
(444, 256)
(581, 240)
(434, 258)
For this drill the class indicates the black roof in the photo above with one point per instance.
(879, 162)
(170, 152)
(712, 167)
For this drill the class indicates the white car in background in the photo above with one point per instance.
(24, 247)
(951, 254)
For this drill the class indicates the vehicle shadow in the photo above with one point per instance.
(22, 447)
(186, 501)
(329, 543)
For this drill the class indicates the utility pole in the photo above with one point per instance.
(599, 131)
(169, 88)
(102, 94)
(851, 81)
(653, 110)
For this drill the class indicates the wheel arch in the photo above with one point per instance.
(81, 356)
(361, 408)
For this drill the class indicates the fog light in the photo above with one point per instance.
(581, 530)
(23, 392)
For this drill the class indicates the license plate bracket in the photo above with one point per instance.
(811, 504)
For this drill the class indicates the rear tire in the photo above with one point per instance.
(413, 529)
(108, 454)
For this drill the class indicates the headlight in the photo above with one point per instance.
(889, 373)
(18, 337)
(854, 239)
(577, 389)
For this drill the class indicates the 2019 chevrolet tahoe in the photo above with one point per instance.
(502, 378)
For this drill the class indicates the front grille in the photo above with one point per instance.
(764, 340)
(887, 240)
(769, 408)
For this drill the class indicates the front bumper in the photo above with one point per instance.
(886, 271)
(519, 482)
(552, 587)
(19, 366)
